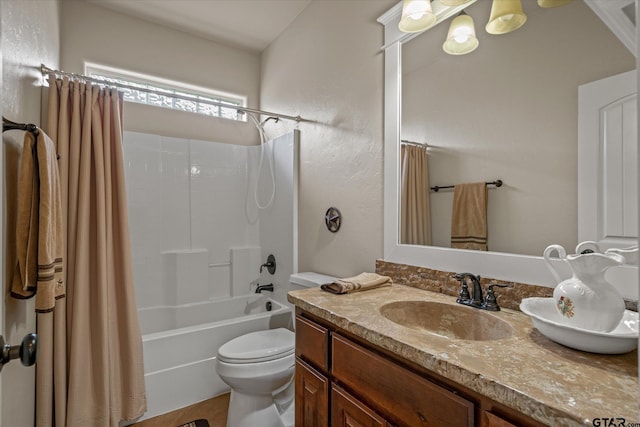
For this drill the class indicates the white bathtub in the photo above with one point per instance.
(180, 346)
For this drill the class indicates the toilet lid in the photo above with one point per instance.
(258, 346)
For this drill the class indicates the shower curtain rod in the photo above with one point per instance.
(46, 70)
(420, 144)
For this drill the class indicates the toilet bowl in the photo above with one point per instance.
(259, 369)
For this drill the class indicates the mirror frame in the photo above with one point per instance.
(502, 266)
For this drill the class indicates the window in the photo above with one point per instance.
(170, 94)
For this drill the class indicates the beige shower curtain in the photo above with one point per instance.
(415, 224)
(90, 371)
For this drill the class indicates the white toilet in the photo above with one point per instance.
(259, 368)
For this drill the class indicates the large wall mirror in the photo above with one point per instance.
(509, 111)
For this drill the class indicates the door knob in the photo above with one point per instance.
(26, 351)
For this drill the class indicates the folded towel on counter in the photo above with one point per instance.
(469, 216)
(39, 231)
(361, 282)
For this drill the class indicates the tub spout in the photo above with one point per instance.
(261, 288)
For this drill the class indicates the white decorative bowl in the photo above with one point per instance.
(549, 322)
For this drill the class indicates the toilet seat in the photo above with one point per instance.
(260, 346)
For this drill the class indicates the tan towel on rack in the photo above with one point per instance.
(469, 216)
(361, 282)
(39, 232)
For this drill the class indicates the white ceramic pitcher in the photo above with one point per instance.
(587, 300)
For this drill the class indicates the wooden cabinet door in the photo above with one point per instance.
(312, 397)
(312, 343)
(347, 411)
(492, 420)
(401, 396)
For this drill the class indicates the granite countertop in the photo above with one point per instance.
(546, 381)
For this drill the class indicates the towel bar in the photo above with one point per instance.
(497, 183)
(9, 125)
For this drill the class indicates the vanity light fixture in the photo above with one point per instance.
(506, 16)
(417, 15)
(553, 3)
(461, 38)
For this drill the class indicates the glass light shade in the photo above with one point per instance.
(454, 2)
(417, 16)
(506, 16)
(461, 38)
(553, 3)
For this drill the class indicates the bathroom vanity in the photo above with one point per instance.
(362, 359)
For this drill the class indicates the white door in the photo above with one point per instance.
(608, 161)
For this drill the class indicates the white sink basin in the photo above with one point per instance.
(548, 321)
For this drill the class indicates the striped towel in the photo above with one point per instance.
(469, 217)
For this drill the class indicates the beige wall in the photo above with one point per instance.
(509, 111)
(327, 67)
(91, 33)
(29, 32)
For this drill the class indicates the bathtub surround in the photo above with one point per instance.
(192, 203)
(186, 272)
(279, 223)
(92, 369)
(244, 269)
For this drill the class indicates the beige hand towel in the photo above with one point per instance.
(469, 216)
(39, 232)
(361, 282)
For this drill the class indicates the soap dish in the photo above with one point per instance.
(548, 321)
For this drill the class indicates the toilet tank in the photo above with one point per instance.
(309, 280)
